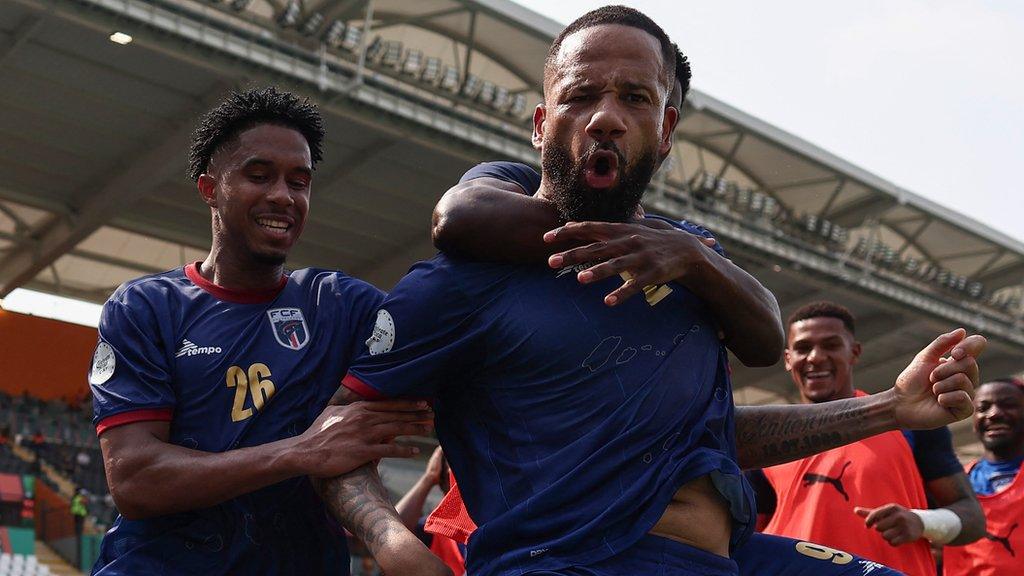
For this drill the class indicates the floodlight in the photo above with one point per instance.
(486, 95)
(392, 54)
(501, 99)
(353, 36)
(312, 24)
(412, 64)
(450, 79)
(518, 105)
(472, 87)
(431, 70)
(290, 15)
(239, 5)
(334, 34)
(974, 289)
(375, 49)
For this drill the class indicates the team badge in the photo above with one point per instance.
(289, 327)
(383, 337)
(102, 364)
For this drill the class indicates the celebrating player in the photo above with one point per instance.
(870, 497)
(587, 438)
(996, 477)
(205, 377)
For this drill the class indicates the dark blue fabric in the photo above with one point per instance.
(149, 322)
(522, 174)
(933, 453)
(529, 180)
(653, 556)
(570, 424)
(991, 477)
(767, 555)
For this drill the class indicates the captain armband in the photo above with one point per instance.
(941, 525)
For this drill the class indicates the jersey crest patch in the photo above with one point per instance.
(102, 364)
(289, 327)
(383, 337)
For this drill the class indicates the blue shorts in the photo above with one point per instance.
(766, 555)
(653, 556)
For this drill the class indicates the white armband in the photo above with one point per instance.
(941, 525)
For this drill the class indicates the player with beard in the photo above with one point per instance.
(996, 477)
(588, 439)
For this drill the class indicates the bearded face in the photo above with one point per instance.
(572, 181)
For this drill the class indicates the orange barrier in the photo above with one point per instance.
(53, 514)
(47, 358)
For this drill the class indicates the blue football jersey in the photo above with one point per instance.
(228, 370)
(569, 424)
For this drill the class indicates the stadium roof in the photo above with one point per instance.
(94, 136)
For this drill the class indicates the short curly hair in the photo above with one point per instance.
(245, 109)
(824, 309)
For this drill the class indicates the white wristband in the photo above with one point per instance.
(941, 525)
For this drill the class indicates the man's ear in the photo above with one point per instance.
(539, 114)
(785, 359)
(668, 128)
(856, 348)
(207, 186)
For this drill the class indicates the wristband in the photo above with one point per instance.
(941, 525)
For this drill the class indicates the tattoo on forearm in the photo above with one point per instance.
(770, 435)
(360, 501)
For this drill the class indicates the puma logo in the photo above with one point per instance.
(837, 482)
(1004, 540)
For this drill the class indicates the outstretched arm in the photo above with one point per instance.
(149, 476)
(933, 390)
(360, 501)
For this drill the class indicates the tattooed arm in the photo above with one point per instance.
(933, 390)
(360, 501)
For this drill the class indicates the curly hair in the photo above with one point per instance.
(243, 110)
(683, 75)
(823, 309)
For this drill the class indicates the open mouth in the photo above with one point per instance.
(817, 376)
(274, 225)
(601, 169)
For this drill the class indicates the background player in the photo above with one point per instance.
(870, 497)
(996, 478)
(205, 377)
(525, 395)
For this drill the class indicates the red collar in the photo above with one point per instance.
(231, 295)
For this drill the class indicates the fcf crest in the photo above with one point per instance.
(289, 327)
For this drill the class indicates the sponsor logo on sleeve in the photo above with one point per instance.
(289, 327)
(383, 337)
(102, 364)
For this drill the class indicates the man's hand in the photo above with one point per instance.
(935, 389)
(647, 255)
(432, 474)
(344, 438)
(898, 525)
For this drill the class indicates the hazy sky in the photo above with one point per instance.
(926, 94)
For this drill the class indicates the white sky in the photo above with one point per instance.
(926, 94)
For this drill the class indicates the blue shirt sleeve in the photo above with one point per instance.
(425, 335)
(692, 228)
(933, 453)
(130, 369)
(525, 176)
